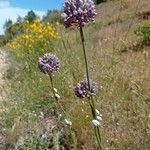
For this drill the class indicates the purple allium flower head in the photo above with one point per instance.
(78, 12)
(82, 90)
(49, 63)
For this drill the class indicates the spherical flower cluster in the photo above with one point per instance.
(78, 12)
(82, 89)
(49, 63)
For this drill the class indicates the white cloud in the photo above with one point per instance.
(8, 12)
(4, 4)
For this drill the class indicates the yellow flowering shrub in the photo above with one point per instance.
(34, 36)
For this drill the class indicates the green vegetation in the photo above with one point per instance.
(31, 16)
(99, 1)
(12, 29)
(144, 32)
(2, 40)
(52, 16)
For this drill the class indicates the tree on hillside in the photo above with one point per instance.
(12, 29)
(52, 16)
(31, 16)
(19, 19)
(7, 29)
(7, 24)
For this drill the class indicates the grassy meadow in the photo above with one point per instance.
(119, 61)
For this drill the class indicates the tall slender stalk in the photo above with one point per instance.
(85, 57)
(91, 100)
(60, 106)
(56, 98)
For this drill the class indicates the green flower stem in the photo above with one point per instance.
(56, 99)
(96, 129)
(91, 100)
(85, 57)
(60, 106)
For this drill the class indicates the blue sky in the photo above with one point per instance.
(41, 5)
(11, 9)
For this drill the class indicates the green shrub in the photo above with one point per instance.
(2, 40)
(33, 142)
(144, 32)
(52, 16)
(99, 1)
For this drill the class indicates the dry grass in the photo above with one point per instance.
(124, 98)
